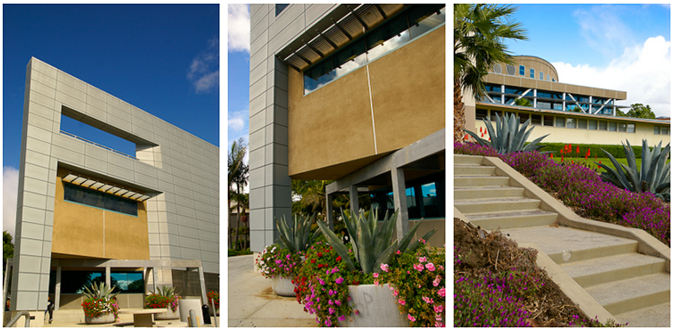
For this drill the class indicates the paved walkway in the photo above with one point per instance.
(252, 303)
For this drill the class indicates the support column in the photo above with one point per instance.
(155, 279)
(329, 210)
(354, 199)
(400, 204)
(57, 289)
(107, 276)
(202, 285)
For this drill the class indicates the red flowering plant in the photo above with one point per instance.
(322, 284)
(275, 260)
(417, 280)
(213, 295)
(166, 297)
(99, 300)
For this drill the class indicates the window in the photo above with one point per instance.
(493, 114)
(99, 199)
(592, 124)
(541, 75)
(523, 117)
(630, 128)
(657, 129)
(497, 69)
(510, 69)
(612, 126)
(548, 77)
(531, 73)
(127, 282)
(481, 114)
(548, 120)
(390, 35)
(279, 8)
(581, 124)
(622, 127)
(602, 125)
(536, 119)
(560, 122)
(557, 106)
(571, 123)
(553, 79)
(664, 130)
(522, 70)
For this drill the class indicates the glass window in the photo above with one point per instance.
(630, 128)
(536, 120)
(657, 129)
(523, 117)
(531, 73)
(553, 79)
(541, 75)
(423, 21)
(127, 282)
(557, 106)
(429, 200)
(522, 70)
(571, 123)
(548, 77)
(602, 125)
(592, 124)
(279, 8)
(548, 120)
(481, 114)
(612, 126)
(665, 130)
(99, 199)
(410, 197)
(560, 122)
(581, 124)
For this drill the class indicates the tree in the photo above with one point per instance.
(479, 32)
(7, 248)
(523, 102)
(637, 110)
(237, 178)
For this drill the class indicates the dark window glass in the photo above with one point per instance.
(548, 120)
(536, 120)
(531, 73)
(630, 128)
(481, 114)
(557, 106)
(99, 199)
(522, 71)
(592, 124)
(657, 129)
(541, 75)
(279, 8)
(560, 122)
(541, 94)
(581, 124)
(665, 130)
(612, 126)
(523, 117)
(602, 125)
(571, 123)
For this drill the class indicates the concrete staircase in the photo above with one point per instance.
(633, 287)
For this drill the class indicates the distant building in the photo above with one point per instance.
(569, 113)
(351, 93)
(89, 213)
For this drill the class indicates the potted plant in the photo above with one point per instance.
(99, 306)
(280, 261)
(166, 297)
(352, 275)
(215, 297)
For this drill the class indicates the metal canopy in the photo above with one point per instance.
(354, 20)
(104, 187)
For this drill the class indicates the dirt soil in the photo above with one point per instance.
(492, 251)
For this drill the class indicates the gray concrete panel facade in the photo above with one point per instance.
(270, 185)
(180, 170)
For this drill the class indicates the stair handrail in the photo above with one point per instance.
(16, 319)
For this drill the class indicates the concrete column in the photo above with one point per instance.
(329, 210)
(354, 198)
(400, 204)
(202, 285)
(57, 289)
(155, 279)
(107, 276)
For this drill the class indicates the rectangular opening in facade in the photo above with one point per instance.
(92, 135)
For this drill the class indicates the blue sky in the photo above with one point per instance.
(624, 47)
(163, 59)
(238, 67)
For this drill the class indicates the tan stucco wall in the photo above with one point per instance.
(333, 124)
(96, 233)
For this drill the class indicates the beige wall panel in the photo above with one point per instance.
(529, 83)
(329, 126)
(585, 90)
(544, 85)
(409, 92)
(512, 80)
(495, 79)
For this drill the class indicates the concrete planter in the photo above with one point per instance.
(102, 319)
(184, 307)
(283, 286)
(169, 315)
(377, 307)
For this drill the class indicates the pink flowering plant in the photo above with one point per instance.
(276, 260)
(417, 281)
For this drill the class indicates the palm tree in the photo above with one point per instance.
(479, 32)
(242, 202)
(237, 177)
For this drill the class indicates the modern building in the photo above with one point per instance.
(350, 93)
(89, 213)
(531, 89)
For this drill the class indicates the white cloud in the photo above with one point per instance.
(643, 71)
(10, 189)
(237, 122)
(238, 28)
(203, 72)
(604, 30)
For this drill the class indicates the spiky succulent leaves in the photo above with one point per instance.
(284, 233)
(385, 256)
(295, 238)
(654, 175)
(364, 240)
(508, 135)
(350, 225)
(616, 176)
(98, 291)
(337, 245)
(405, 241)
(413, 245)
(386, 231)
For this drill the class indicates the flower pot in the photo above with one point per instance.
(169, 315)
(101, 319)
(377, 307)
(283, 286)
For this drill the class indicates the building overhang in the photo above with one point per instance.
(105, 187)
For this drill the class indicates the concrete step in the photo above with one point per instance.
(654, 316)
(598, 271)
(481, 181)
(627, 295)
(568, 245)
(496, 205)
(513, 219)
(462, 193)
(474, 170)
(467, 159)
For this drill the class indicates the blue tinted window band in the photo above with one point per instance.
(99, 200)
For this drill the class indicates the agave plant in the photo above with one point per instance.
(372, 247)
(99, 291)
(653, 176)
(296, 238)
(166, 291)
(509, 136)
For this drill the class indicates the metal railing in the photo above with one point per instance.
(16, 318)
(99, 145)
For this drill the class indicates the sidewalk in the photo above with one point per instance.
(252, 303)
